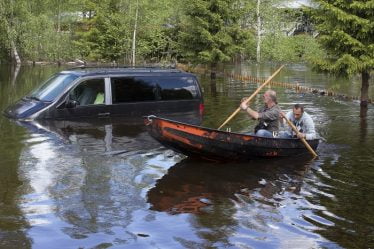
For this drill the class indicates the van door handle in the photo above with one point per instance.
(103, 114)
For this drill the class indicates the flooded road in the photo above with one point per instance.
(109, 185)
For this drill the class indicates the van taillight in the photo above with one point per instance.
(201, 108)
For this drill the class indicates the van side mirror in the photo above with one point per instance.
(71, 103)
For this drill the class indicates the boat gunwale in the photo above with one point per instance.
(227, 132)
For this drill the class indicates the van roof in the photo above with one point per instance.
(154, 71)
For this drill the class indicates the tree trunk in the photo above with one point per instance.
(59, 32)
(134, 34)
(15, 53)
(258, 49)
(365, 88)
(58, 17)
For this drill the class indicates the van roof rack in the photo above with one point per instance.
(121, 67)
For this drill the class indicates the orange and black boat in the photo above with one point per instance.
(207, 143)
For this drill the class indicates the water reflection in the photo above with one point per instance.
(213, 87)
(96, 185)
(192, 186)
(85, 179)
(13, 222)
(15, 72)
(363, 123)
(237, 204)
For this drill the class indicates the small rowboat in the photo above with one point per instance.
(196, 141)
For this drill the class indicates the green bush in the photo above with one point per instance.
(299, 48)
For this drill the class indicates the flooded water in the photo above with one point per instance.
(109, 185)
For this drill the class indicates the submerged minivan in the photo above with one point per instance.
(110, 92)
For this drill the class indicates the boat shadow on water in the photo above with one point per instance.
(195, 186)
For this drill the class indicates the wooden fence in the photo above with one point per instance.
(256, 80)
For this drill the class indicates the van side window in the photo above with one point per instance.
(177, 88)
(90, 92)
(132, 89)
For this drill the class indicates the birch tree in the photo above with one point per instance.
(259, 29)
(134, 33)
(267, 24)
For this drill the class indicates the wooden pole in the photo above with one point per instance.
(297, 132)
(252, 96)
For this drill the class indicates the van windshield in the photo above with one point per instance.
(53, 87)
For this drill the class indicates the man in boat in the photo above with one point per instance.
(268, 115)
(302, 121)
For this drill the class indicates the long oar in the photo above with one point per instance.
(252, 96)
(297, 132)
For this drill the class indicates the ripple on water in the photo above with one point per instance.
(283, 219)
(106, 187)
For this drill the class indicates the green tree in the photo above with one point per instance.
(3, 32)
(211, 32)
(298, 48)
(268, 20)
(102, 33)
(107, 30)
(12, 14)
(155, 24)
(35, 30)
(264, 18)
(347, 33)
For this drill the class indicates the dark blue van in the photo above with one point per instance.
(110, 92)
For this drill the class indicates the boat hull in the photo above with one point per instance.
(197, 141)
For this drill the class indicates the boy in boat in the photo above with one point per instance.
(268, 115)
(303, 122)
